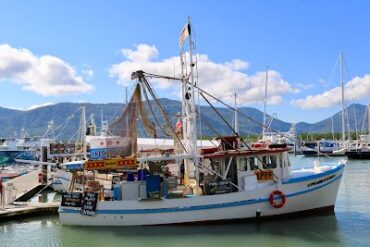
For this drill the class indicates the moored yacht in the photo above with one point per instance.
(360, 149)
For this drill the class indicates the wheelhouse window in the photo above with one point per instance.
(243, 164)
(280, 160)
(269, 162)
(216, 164)
(252, 163)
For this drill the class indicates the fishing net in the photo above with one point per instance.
(126, 125)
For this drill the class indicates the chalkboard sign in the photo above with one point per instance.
(89, 201)
(71, 199)
(218, 187)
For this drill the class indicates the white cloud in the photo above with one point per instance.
(218, 79)
(305, 86)
(88, 73)
(357, 88)
(143, 53)
(323, 82)
(45, 75)
(237, 64)
(40, 105)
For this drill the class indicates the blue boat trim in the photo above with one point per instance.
(199, 207)
(310, 177)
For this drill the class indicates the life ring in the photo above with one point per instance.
(282, 196)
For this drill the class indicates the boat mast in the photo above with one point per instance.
(368, 123)
(83, 130)
(192, 114)
(188, 95)
(342, 85)
(332, 129)
(236, 124)
(264, 103)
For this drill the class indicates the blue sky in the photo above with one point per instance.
(72, 48)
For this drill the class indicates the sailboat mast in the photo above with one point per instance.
(264, 103)
(342, 85)
(332, 128)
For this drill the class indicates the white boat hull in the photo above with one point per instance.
(339, 152)
(303, 194)
(61, 181)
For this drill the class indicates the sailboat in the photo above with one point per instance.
(362, 147)
(332, 147)
(345, 143)
(224, 183)
(273, 137)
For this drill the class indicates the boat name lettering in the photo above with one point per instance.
(72, 199)
(320, 181)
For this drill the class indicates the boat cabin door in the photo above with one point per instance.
(230, 170)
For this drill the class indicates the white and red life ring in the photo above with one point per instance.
(272, 200)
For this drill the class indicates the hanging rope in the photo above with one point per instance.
(147, 85)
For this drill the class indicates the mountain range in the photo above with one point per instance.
(66, 118)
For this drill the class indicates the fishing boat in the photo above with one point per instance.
(232, 181)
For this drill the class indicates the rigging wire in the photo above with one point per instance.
(219, 114)
(230, 144)
(252, 120)
(63, 125)
(143, 80)
(152, 111)
(197, 83)
(228, 106)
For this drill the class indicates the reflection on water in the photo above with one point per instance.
(348, 227)
(303, 232)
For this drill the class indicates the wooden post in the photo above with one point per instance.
(73, 181)
(2, 195)
(44, 168)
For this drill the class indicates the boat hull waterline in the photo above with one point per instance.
(303, 194)
(359, 155)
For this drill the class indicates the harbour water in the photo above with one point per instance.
(349, 226)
